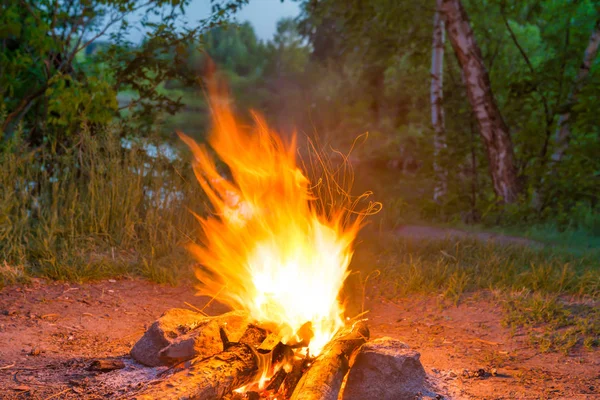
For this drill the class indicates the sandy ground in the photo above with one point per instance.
(51, 332)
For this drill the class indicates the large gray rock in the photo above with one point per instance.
(384, 369)
(234, 323)
(202, 342)
(181, 334)
(172, 324)
(205, 340)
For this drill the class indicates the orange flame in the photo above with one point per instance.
(267, 248)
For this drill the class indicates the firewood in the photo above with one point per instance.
(293, 377)
(324, 378)
(216, 376)
(277, 380)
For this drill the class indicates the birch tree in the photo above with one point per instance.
(437, 104)
(492, 128)
(563, 130)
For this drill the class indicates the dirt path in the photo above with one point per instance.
(436, 233)
(49, 334)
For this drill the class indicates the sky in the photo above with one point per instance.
(262, 14)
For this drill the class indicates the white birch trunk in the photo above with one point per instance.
(437, 104)
(493, 129)
(563, 130)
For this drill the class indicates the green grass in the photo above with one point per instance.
(455, 267)
(94, 210)
(554, 324)
(578, 240)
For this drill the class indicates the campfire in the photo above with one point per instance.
(273, 251)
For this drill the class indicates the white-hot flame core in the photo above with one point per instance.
(298, 278)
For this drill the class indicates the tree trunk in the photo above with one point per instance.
(492, 127)
(437, 104)
(563, 131)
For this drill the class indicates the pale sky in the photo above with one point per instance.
(262, 14)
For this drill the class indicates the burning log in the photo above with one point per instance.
(324, 378)
(216, 376)
(293, 377)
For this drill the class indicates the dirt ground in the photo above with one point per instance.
(51, 332)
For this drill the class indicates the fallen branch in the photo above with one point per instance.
(106, 365)
(324, 378)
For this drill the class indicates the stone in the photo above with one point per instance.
(384, 369)
(180, 335)
(202, 342)
(234, 323)
(172, 324)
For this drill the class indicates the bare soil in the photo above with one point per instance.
(51, 332)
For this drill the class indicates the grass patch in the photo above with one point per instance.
(553, 323)
(95, 210)
(11, 274)
(455, 267)
(579, 240)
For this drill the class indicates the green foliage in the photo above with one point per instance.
(235, 49)
(380, 51)
(341, 69)
(49, 79)
(70, 103)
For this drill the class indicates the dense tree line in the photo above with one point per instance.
(515, 72)
(492, 101)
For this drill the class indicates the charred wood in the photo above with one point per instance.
(324, 378)
(106, 365)
(277, 380)
(293, 377)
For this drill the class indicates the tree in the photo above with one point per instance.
(235, 49)
(437, 103)
(50, 86)
(285, 75)
(563, 131)
(374, 33)
(286, 53)
(492, 128)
